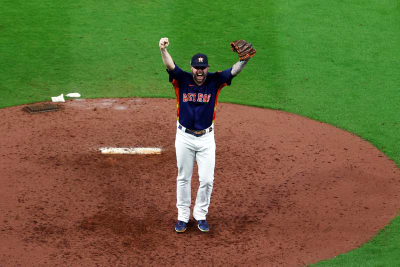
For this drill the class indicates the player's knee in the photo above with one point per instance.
(183, 179)
(207, 180)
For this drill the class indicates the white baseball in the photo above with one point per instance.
(164, 43)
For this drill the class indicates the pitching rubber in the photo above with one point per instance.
(131, 150)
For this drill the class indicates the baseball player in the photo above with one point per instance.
(197, 97)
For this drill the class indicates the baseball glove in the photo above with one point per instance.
(244, 49)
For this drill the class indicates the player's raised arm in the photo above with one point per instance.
(245, 51)
(166, 57)
(238, 67)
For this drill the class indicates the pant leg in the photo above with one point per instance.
(205, 158)
(185, 159)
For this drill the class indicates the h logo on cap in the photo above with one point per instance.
(199, 60)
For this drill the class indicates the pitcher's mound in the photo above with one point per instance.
(288, 190)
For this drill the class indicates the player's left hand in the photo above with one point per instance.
(244, 49)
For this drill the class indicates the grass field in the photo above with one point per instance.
(333, 61)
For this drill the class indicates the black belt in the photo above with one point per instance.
(196, 133)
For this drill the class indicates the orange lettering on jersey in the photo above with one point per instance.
(200, 97)
(185, 98)
(192, 97)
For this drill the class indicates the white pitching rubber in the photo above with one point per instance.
(131, 150)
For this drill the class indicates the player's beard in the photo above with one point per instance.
(199, 77)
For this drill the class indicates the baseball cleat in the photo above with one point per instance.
(203, 225)
(180, 227)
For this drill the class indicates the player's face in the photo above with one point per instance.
(199, 74)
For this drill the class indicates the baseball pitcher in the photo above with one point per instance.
(197, 97)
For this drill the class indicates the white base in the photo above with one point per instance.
(131, 150)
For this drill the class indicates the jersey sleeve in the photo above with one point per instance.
(175, 74)
(225, 77)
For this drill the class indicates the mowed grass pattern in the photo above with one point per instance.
(333, 61)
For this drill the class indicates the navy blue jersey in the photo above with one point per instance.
(196, 105)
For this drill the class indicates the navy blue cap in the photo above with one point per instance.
(199, 60)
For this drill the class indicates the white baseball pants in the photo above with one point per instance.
(188, 149)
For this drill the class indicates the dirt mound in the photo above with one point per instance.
(287, 190)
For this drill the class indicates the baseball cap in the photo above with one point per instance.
(199, 60)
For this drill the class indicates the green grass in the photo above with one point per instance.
(333, 61)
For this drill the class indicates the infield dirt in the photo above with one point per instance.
(288, 190)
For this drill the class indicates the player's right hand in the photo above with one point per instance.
(164, 43)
